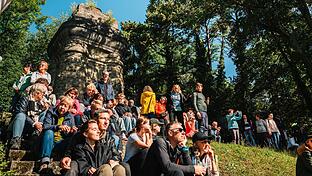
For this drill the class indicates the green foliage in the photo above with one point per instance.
(248, 161)
(90, 3)
(37, 43)
(14, 24)
(4, 164)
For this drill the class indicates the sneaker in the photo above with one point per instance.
(16, 143)
(124, 137)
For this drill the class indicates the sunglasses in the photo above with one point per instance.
(180, 130)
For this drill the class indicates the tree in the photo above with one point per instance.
(14, 24)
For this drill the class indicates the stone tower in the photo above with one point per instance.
(84, 46)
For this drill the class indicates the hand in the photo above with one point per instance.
(65, 163)
(198, 115)
(113, 163)
(199, 170)
(64, 128)
(73, 129)
(73, 111)
(38, 126)
(91, 171)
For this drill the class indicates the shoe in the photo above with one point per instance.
(43, 167)
(16, 143)
(124, 137)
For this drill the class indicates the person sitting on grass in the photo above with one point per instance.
(304, 159)
(205, 155)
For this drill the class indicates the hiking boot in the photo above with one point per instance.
(16, 143)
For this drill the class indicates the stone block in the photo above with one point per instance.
(19, 155)
(22, 167)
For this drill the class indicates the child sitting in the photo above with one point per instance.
(215, 131)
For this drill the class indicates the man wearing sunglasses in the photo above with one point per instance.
(169, 156)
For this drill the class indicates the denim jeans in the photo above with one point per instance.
(275, 139)
(127, 122)
(203, 122)
(21, 123)
(249, 137)
(48, 145)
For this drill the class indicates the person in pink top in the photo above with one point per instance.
(190, 123)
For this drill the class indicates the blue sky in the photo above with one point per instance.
(123, 10)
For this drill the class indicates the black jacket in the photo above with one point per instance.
(25, 104)
(104, 151)
(162, 158)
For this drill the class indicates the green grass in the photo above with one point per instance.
(237, 160)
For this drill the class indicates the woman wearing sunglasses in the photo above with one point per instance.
(203, 154)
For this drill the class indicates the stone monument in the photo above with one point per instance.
(84, 46)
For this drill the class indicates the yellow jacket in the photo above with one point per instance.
(148, 102)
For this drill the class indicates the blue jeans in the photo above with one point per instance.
(127, 122)
(275, 139)
(249, 137)
(48, 145)
(21, 123)
(203, 122)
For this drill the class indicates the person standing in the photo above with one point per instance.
(273, 131)
(201, 103)
(20, 85)
(232, 119)
(175, 104)
(247, 128)
(105, 87)
(261, 128)
(148, 102)
(41, 73)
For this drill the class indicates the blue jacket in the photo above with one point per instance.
(109, 94)
(232, 119)
(51, 118)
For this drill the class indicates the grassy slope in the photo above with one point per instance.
(237, 160)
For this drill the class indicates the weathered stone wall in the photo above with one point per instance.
(83, 47)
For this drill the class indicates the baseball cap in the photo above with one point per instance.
(155, 121)
(200, 136)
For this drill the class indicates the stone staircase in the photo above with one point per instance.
(23, 163)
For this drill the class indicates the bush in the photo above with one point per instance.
(3, 163)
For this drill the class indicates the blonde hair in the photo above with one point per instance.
(91, 86)
(66, 100)
(178, 87)
(147, 88)
(95, 103)
(38, 87)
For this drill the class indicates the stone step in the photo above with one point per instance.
(32, 168)
(21, 155)
(22, 167)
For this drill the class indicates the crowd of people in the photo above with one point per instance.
(89, 132)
